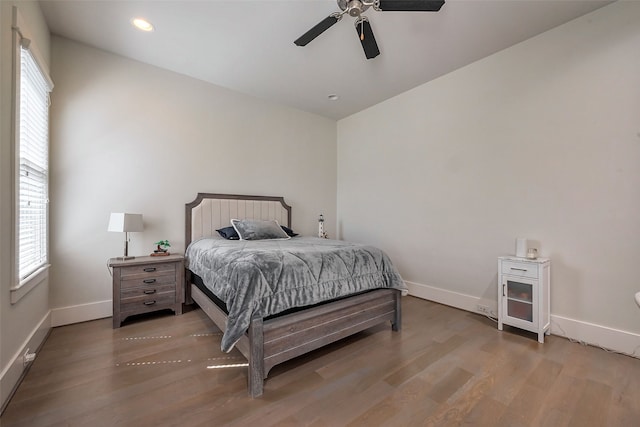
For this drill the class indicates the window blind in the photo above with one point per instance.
(33, 166)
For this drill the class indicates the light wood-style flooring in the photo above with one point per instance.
(446, 367)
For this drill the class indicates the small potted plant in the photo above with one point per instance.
(161, 246)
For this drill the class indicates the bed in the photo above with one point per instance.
(266, 338)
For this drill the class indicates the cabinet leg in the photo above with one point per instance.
(499, 325)
(541, 337)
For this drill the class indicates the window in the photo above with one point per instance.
(30, 143)
(33, 166)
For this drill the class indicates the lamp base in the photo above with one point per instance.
(126, 249)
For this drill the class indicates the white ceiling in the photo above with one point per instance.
(247, 45)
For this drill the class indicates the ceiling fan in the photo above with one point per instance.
(355, 8)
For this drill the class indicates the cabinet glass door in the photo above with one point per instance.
(519, 300)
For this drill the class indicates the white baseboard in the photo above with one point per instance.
(81, 313)
(453, 299)
(588, 333)
(11, 376)
(596, 335)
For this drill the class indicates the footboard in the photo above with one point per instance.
(299, 333)
(268, 343)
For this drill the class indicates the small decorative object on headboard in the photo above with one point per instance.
(321, 233)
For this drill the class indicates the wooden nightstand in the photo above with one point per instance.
(145, 284)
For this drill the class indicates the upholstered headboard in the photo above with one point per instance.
(208, 212)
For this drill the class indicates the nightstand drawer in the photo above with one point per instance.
(143, 303)
(146, 291)
(520, 269)
(148, 281)
(145, 271)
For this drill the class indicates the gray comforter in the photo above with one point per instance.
(266, 277)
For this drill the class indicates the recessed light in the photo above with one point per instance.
(333, 97)
(142, 24)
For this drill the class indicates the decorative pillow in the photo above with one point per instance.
(228, 233)
(289, 231)
(253, 229)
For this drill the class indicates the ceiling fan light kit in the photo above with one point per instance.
(355, 8)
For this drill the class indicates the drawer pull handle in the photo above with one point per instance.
(150, 291)
(149, 302)
(519, 269)
(149, 280)
(149, 269)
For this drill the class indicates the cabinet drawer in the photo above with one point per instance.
(140, 304)
(147, 281)
(147, 291)
(520, 269)
(145, 271)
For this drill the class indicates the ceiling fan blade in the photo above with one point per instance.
(410, 5)
(365, 34)
(318, 29)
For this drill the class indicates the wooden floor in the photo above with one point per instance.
(446, 367)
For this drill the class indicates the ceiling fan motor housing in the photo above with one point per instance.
(353, 7)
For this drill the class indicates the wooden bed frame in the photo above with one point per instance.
(276, 340)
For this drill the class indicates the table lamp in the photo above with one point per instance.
(125, 223)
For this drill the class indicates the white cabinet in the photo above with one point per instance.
(523, 294)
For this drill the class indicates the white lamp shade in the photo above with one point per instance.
(125, 222)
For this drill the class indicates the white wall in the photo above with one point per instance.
(541, 141)
(129, 137)
(25, 323)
